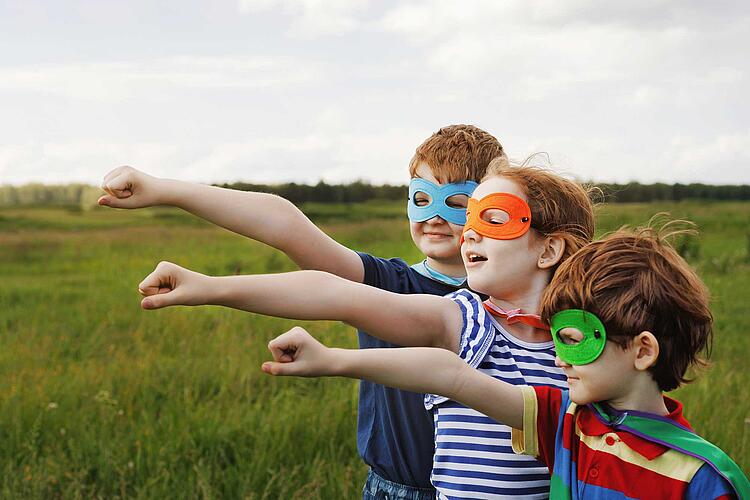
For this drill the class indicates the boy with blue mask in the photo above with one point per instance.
(395, 432)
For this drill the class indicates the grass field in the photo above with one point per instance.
(101, 399)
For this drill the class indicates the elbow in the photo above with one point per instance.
(457, 375)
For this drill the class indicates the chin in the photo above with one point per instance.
(581, 399)
(443, 250)
(477, 285)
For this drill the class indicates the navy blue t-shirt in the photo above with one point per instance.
(395, 433)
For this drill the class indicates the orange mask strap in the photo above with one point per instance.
(518, 221)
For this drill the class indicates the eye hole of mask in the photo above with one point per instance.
(495, 216)
(570, 336)
(422, 199)
(457, 201)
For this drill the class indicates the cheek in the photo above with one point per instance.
(509, 249)
(456, 229)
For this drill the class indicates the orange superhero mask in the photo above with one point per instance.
(518, 216)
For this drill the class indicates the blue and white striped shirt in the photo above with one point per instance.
(473, 454)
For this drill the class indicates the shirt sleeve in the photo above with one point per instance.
(707, 483)
(387, 274)
(477, 334)
(541, 419)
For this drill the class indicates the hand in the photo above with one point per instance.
(127, 187)
(296, 352)
(172, 285)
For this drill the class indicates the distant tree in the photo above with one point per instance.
(359, 191)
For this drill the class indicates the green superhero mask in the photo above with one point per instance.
(578, 349)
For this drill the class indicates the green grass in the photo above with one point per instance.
(102, 399)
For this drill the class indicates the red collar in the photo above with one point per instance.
(592, 426)
(515, 316)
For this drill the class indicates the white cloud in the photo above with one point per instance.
(81, 161)
(723, 159)
(120, 80)
(341, 90)
(311, 18)
(335, 156)
(546, 44)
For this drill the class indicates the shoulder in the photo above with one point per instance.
(389, 274)
(370, 261)
(468, 301)
(477, 332)
(395, 275)
(476, 336)
(707, 483)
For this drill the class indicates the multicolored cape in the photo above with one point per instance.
(665, 432)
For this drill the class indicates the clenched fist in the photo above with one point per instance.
(127, 187)
(172, 285)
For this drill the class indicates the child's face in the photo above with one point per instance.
(500, 268)
(605, 379)
(436, 238)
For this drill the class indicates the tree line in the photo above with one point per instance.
(617, 193)
(85, 196)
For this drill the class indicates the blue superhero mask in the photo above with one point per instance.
(438, 200)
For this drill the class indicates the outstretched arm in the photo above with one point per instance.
(412, 320)
(263, 217)
(425, 370)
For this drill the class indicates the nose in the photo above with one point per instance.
(560, 363)
(435, 221)
(471, 235)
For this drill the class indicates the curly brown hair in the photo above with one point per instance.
(634, 281)
(457, 153)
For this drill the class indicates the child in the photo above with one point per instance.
(394, 431)
(521, 222)
(628, 317)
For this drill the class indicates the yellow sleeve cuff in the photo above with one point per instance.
(526, 441)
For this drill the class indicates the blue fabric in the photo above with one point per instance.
(394, 431)
(425, 270)
(378, 488)
(439, 194)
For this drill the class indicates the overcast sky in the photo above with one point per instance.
(303, 90)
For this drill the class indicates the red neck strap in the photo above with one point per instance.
(515, 316)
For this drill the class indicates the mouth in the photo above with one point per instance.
(473, 257)
(436, 235)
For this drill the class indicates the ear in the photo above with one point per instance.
(553, 250)
(646, 349)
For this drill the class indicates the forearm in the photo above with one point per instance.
(416, 320)
(269, 219)
(261, 216)
(433, 371)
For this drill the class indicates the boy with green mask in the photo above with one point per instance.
(628, 317)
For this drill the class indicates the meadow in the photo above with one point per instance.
(100, 399)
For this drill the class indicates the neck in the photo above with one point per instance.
(643, 395)
(527, 300)
(451, 268)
